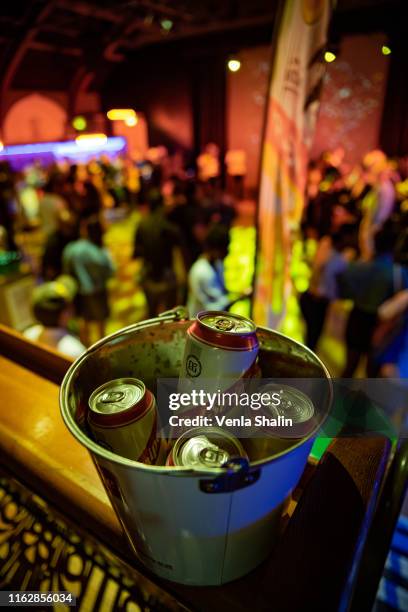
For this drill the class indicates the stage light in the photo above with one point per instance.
(385, 50)
(234, 65)
(166, 24)
(91, 139)
(79, 123)
(131, 121)
(62, 149)
(1, 146)
(120, 114)
(329, 57)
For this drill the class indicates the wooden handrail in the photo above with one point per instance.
(39, 358)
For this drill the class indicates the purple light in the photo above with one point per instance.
(47, 152)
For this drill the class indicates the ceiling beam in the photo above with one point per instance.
(41, 46)
(89, 10)
(199, 30)
(163, 9)
(55, 29)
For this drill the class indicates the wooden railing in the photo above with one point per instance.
(39, 358)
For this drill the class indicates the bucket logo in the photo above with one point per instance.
(312, 10)
(193, 366)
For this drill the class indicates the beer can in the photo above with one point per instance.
(220, 348)
(206, 447)
(123, 419)
(293, 414)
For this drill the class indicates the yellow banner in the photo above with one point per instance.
(291, 110)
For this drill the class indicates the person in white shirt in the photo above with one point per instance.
(206, 277)
(51, 304)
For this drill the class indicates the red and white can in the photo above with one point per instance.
(123, 419)
(220, 349)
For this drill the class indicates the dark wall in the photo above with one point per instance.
(394, 128)
(160, 87)
(181, 87)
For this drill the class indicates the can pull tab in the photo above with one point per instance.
(110, 397)
(224, 324)
(238, 475)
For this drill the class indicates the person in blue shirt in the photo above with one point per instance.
(369, 284)
(332, 257)
(90, 264)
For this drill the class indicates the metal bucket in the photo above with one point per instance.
(197, 527)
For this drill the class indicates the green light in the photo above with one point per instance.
(301, 284)
(385, 50)
(79, 123)
(329, 57)
(166, 24)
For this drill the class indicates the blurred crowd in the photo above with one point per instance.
(355, 216)
(181, 238)
(359, 217)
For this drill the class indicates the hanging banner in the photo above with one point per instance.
(290, 116)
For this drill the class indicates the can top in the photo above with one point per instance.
(200, 451)
(117, 396)
(208, 447)
(225, 322)
(294, 404)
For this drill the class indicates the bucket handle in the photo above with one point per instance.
(238, 475)
(178, 313)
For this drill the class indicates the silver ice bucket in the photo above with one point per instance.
(178, 524)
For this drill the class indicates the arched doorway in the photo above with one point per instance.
(34, 118)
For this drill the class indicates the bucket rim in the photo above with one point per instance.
(95, 449)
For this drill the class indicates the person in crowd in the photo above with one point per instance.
(235, 161)
(206, 277)
(131, 182)
(8, 205)
(379, 202)
(323, 197)
(177, 164)
(332, 164)
(28, 195)
(221, 210)
(66, 231)
(91, 201)
(369, 284)
(208, 165)
(156, 241)
(157, 158)
(82, 195)
(185, 213)
(51, 204)
(331, 259)
(52, 308)
(390, 338)
(90, 264)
